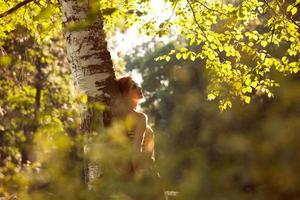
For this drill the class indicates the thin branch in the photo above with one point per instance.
(16, 7)
(173, 10)
(196, 21)
(285, 14)
(208, 8)
(204, 34)
(270, 7)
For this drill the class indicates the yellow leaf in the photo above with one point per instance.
(221, 49)
(289, 8)
(184, 56)
(248, 82)
(238, 85)
(84, 99)
(211, 97)
(296, 70)
(270, 95)
(184, 49)
(264, 43)
(193, 57)
(5, 60)
(254, 84)
(192, 41)
(168, 58)
(228, 103)
(247, 99)
(294, 10)
(213, 46)
(247, 89)
(172, 52)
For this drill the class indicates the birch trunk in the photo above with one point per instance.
(91, 66)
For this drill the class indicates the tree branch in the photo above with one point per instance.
(16, 7)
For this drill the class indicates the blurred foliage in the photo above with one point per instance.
(247, 152)
(38, 113)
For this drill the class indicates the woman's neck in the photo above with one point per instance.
(133, 104)
(130, 104)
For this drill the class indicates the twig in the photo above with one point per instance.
(16, 7)
(208, 8)
(285, 14)
(204, 34)
(196, 21)
(173, 10)
(270, 7)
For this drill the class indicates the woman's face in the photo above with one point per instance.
(135, 91)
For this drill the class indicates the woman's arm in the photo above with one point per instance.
(148, 143)
(141, 122)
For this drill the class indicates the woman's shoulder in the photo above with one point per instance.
(140, 115)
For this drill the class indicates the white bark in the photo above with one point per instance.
(87, 51)
(91, 66)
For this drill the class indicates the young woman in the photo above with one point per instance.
(138, 132)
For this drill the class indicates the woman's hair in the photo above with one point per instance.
(124, 84)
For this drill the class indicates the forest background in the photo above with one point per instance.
(222, 95)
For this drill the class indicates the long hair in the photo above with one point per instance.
(124, 84)
(124, 103)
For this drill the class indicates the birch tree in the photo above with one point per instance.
(91, 67)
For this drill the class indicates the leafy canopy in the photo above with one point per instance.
(238, 40)
(243, 43)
